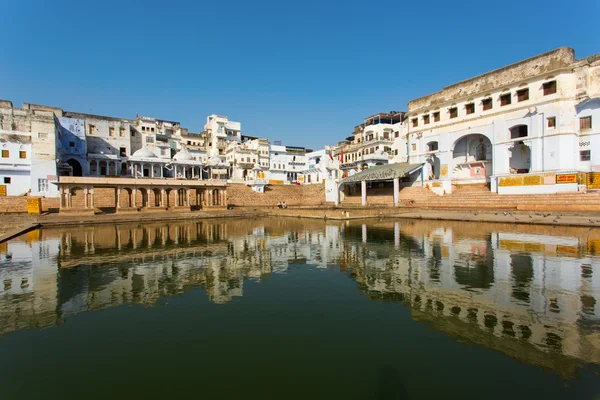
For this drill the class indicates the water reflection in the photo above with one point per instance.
(528, 292)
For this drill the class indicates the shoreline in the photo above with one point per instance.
(18, 224)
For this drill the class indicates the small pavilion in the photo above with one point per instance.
(382, 173)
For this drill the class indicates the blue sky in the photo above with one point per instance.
(303, 72)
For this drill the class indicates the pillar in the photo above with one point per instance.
(161, 171)
(193, 168)
(187, 197)
(118, 197)
(151, 171)
(225, 197)
(162, 197)
(149, 203)
(363, 192)
(92, 196)
(396, 191)
(85, 197)
(133, 195)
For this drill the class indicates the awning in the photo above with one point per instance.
(311, 171)
(383, 172)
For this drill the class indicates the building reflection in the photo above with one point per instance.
(528, 292)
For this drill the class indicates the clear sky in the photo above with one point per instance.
(304, 72)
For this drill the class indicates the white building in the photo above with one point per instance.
(288, 164)
(525, 128)
(371, 142)
(249, 159)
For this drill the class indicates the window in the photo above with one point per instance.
(425, 119)
(149, 139)
(470, 108)
(123, 151)
(71, 144)
(396, 134)
(433, 146)
(453, 112)
(7, 180)
(111, 131)
(415, 122)
(549, 88)
(152, 129)
(585, 123)
(522, 95)
(121, 131)
(42, 185)
(22, 154)
(585, 155)
(414, 147)
(5, 154)
(518, 131)
(487, 104)
(505, 99)
(143, 129)
(436, 116)
(92, 130)
(551, 122)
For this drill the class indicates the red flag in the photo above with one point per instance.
(342, 156)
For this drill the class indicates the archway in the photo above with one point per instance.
(520, 158)
(144, 195)
(103, 168)
(168, 201)
(76, 167)
(126, 197)
(157, 197)
(181, 194)
(472, 157)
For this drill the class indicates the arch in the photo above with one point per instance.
(112, 168)
(181, 197)
(157, 197)
(144, 196)
(519, 131)
(103, 168)
(124, 171)
(75, 166)
(472, 157)
(519, 161)
(146, 170)
(126, 197)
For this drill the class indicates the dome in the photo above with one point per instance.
(183, 155)
(144, 152)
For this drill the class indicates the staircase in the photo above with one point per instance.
(479, 197)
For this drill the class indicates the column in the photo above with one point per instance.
(396, 191)
(149, 203)
(363, 192)
(118, 198)
(152, 170)
(161, 171)
(92, 192)
(85, 195)
(162, 197)
(133, 195)
(225, 197)
(209, 198)
(187, 197)
(193, 170)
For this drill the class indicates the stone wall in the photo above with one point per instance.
(18, 204)
(293, 195)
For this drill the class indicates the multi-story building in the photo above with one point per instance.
(249, 159)
(28, 162)
(525, 128)
(220, 131)
(288, 163)
(371, 142)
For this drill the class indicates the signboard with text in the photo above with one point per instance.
(566, 178)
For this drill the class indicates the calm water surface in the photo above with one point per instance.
(288, 308)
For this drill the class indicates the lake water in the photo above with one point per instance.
(301, 309)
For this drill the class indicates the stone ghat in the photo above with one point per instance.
(18, 204)
(293, 195)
